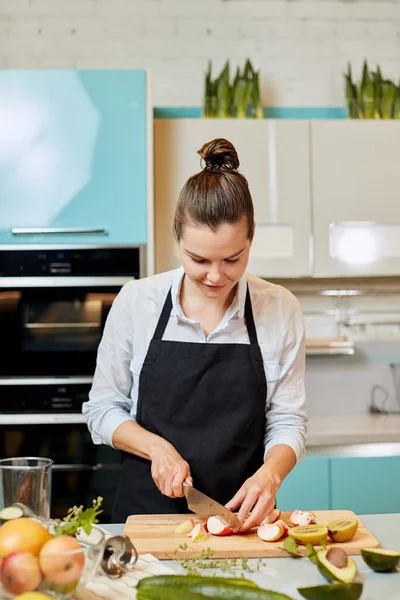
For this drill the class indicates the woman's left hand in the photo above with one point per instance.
(256, 499)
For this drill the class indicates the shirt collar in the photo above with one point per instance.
(236, 308)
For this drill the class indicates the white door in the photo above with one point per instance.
(356, 197)
(274, 157)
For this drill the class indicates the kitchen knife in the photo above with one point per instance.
(204, 506)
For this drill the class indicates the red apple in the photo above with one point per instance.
(185, 527)
(62, 560)
(218, 526)
(273, 516)
(20, 572)
(198, 533)
(270, 532)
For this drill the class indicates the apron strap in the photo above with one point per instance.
(248, 315)
(166, 312)
(164, 317)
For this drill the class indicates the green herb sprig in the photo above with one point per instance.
(204, 561)
(79, 518)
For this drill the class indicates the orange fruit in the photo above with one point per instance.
(22, 535)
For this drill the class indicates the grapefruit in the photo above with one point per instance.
(22, 535)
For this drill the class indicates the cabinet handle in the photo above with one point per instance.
(57, 230)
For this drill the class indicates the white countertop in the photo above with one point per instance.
(353, 429)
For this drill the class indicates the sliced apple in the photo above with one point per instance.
(308, 518)
(185, 527)
(303, 517)
(284, 526)
(218, 526)
(198, 533)
(270, 532)
(295, 516)
(272, 517)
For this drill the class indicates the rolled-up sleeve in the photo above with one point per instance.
(109, 403)
(286, 418)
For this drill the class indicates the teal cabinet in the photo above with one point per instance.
(307, 487)
(366, 485)
(74, 147)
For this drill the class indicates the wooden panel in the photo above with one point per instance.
(154, 534)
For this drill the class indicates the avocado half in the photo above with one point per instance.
(332, 591)
(380, 559)
(344, 574)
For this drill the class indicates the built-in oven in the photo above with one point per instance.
(54, 302)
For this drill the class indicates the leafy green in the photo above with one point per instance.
(374, 97)
(237, 99)
(291, 547)
(79, 518)
(313, 553)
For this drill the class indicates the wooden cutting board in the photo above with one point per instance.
(154, 534)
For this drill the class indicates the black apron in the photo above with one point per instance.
(208, 400)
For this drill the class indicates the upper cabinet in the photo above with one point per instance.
(274, 157)
(355, 179)
(74, 157)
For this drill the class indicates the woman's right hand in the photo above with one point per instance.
(169, 470)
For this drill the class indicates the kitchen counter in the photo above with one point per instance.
(353, 429)
(286, 574)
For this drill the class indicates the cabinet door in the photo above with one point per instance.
(356, 207)
(73, 156)
(366, 485)
(306, 487)
(274, 157)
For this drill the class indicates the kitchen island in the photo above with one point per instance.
(286, 574)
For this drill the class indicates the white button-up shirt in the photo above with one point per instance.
(130, 327)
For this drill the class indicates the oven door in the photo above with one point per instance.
(52, 332)
(81, 471)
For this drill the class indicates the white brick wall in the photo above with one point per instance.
(301, 47)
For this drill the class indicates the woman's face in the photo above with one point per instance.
(215, 260)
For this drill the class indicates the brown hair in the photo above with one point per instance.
(218, 194)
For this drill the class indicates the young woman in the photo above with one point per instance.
(200, 371)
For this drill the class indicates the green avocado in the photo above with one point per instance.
(331, 572)
(332, 591)
(380, 560)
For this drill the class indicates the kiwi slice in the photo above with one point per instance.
(342, 530)
(309, 534)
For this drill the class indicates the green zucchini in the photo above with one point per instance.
(210, 588)
(161, 593)
(185, 580)
(11, 512)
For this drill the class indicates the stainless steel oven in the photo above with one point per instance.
(54, 302)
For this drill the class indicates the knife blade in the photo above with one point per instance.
(204, 506)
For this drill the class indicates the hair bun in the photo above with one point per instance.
(219, 155)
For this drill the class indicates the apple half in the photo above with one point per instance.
(218, 526)
(270, 532)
